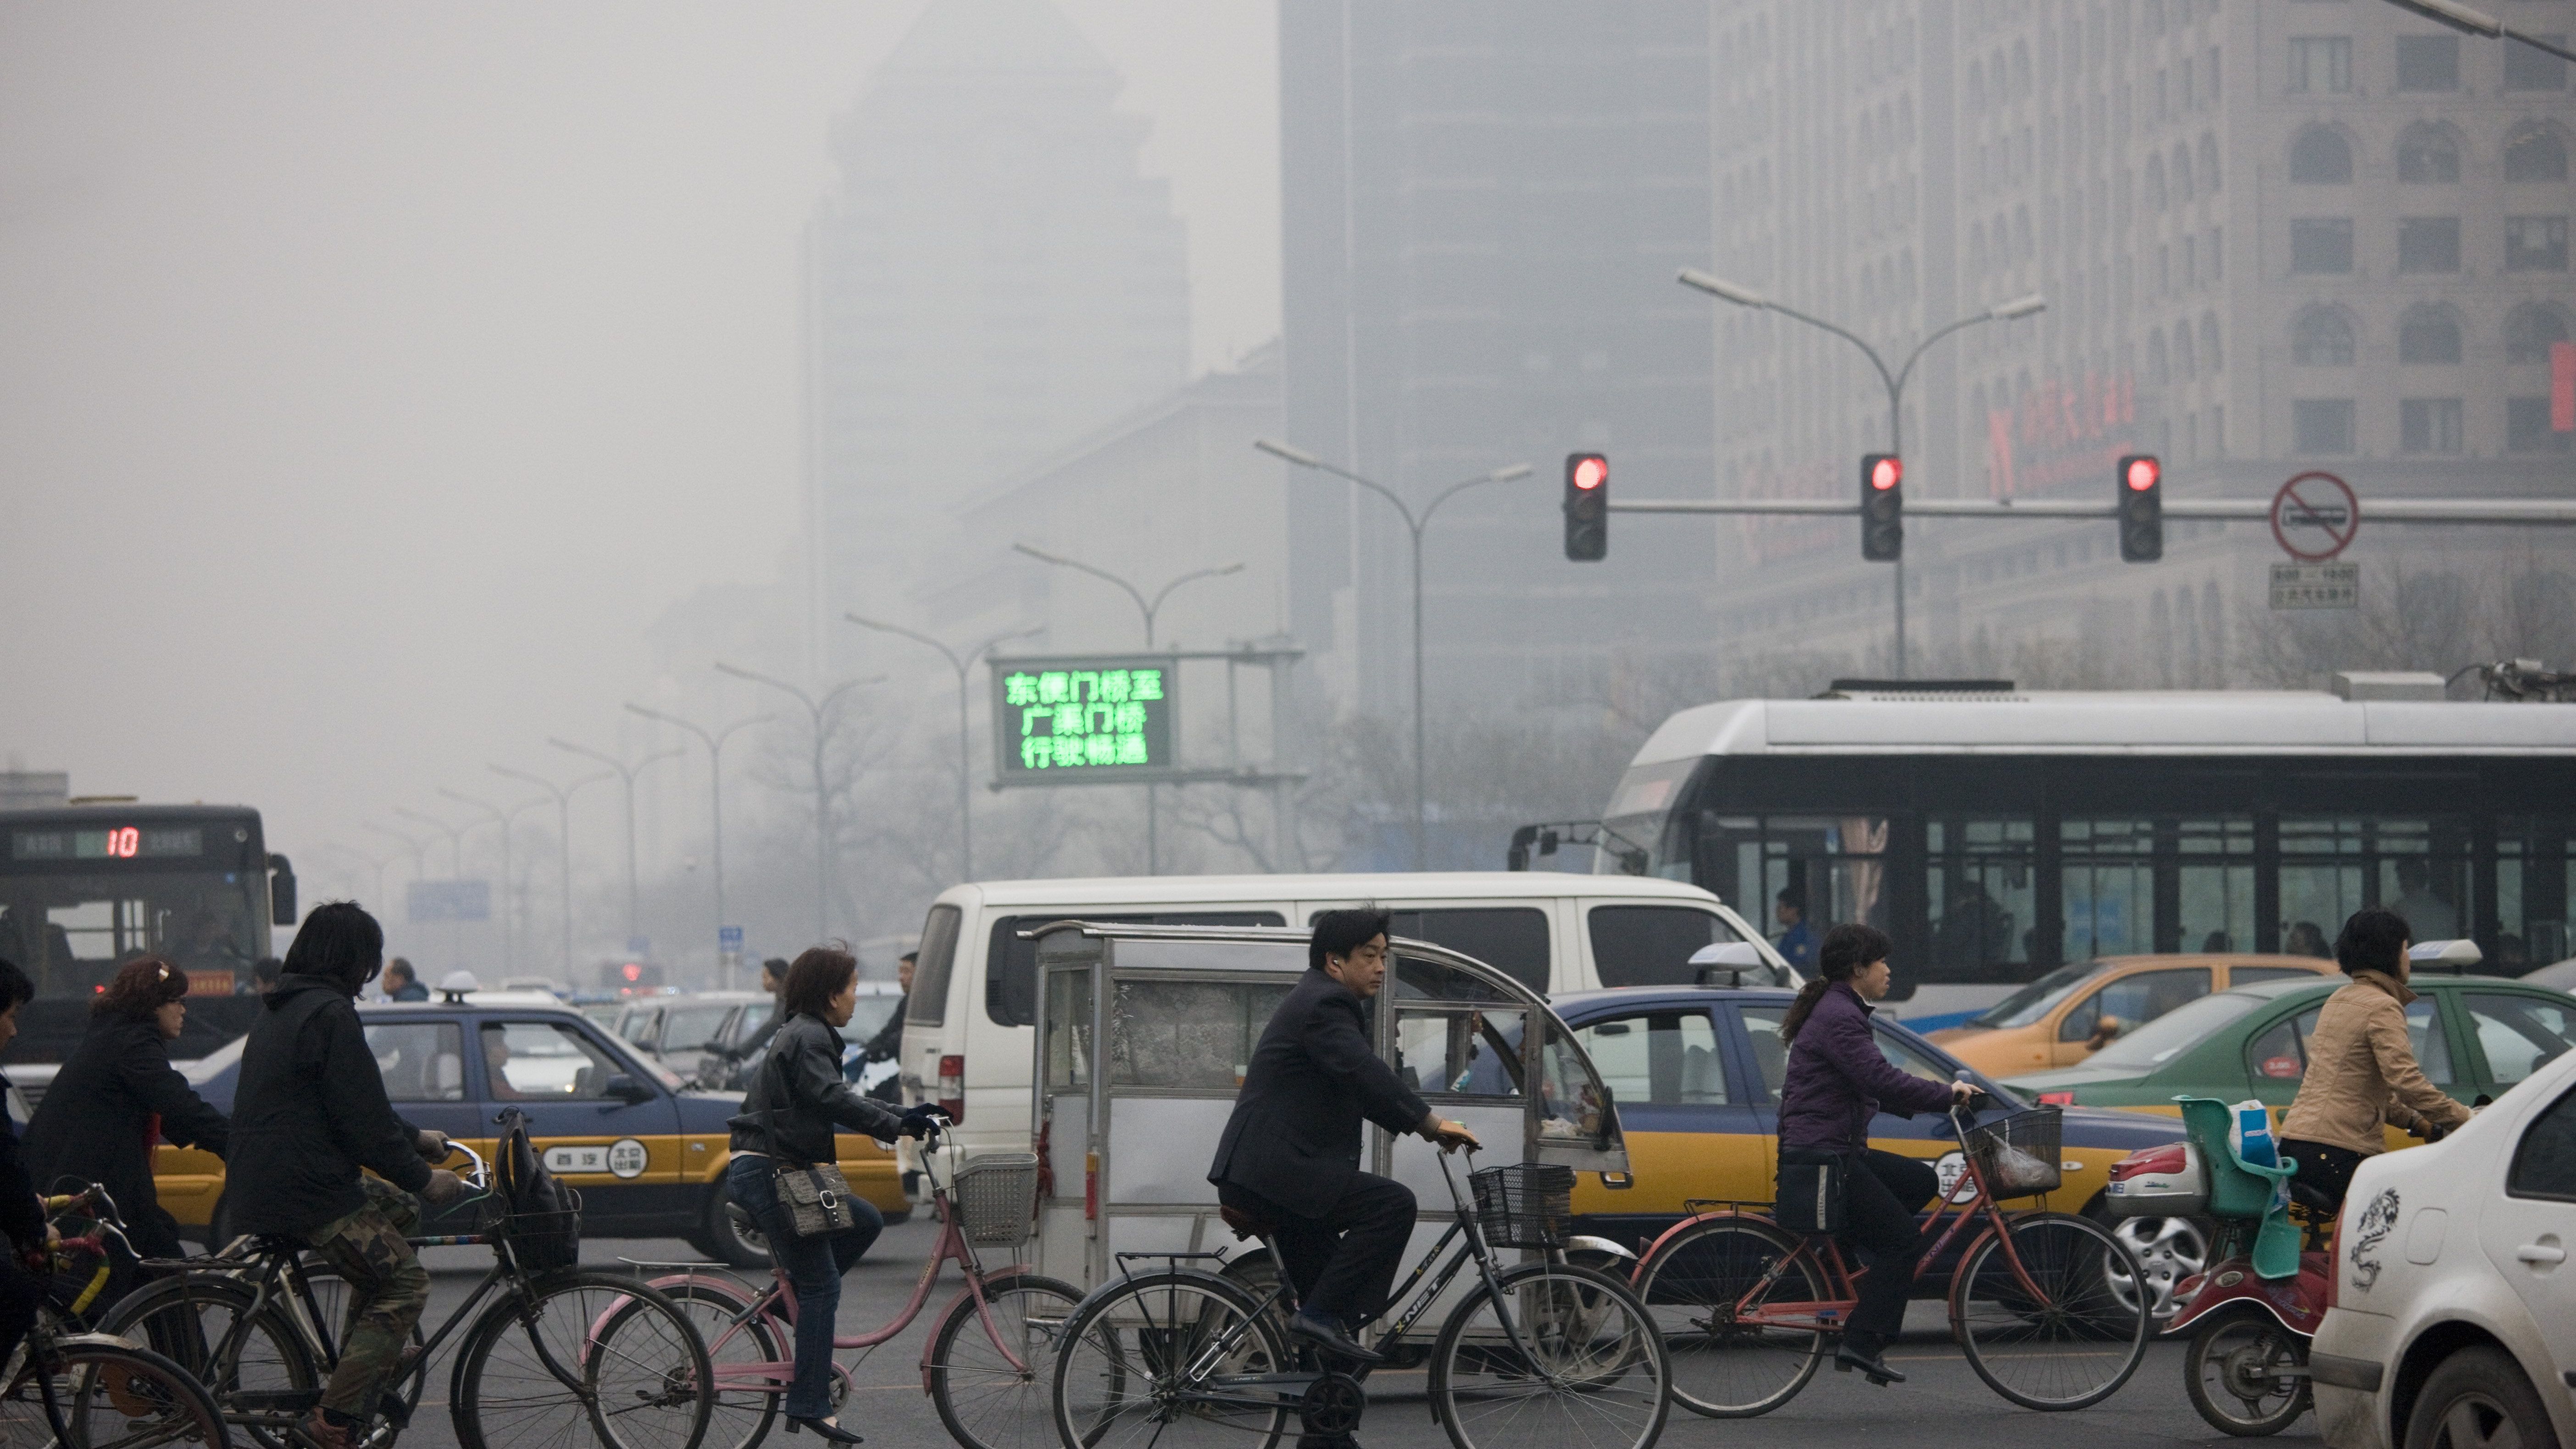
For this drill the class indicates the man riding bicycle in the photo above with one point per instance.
(2361, 1065)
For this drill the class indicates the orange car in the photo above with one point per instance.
(2074, 1011)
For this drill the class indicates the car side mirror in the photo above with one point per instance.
(626, 1089)
(281, 891)
(712, 1044)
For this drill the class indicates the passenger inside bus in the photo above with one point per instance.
(2426, 914)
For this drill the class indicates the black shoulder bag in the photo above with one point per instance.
(815, 1195)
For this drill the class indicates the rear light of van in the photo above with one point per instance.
(952, 1087)
(2057, 1099)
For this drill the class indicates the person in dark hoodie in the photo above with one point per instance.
(22, 1217)
(309, 1114)
(114, 1098)
(1837, 1081)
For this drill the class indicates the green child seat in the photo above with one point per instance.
(2243, 1191)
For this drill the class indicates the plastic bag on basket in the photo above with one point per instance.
(2015, 1168)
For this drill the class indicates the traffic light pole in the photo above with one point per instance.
(2541, 511)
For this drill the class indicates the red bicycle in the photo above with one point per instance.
(1748, 1309)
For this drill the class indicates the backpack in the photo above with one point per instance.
(539, 1219)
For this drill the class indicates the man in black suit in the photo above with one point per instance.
(1291, 1151)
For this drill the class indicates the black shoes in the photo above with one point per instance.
(830, 1433)
(1331, 1338)
(1851, 1356)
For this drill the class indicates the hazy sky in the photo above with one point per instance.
(371, 376)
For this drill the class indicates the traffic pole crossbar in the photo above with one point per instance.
(2377, 511)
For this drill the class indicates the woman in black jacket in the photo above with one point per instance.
(795, 1101)
(116, 1098)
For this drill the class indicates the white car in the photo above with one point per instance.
(2453, 1323)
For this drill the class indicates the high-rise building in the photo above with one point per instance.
(2306, 234)
(1483, 206)
(995, 278)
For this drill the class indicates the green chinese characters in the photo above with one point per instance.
(1073, 719)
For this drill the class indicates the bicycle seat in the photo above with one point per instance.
(1245, 1225)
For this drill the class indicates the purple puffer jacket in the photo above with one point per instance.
(1838, 1078)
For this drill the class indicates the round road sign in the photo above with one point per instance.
(2315, 516)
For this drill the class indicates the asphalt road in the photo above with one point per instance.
(1944, 1406)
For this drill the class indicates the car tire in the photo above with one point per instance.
(719, 1236)
(2476, 1398)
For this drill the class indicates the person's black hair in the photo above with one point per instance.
(338, 942)
(1847, 949)
(1792, 897)
(1339, 933)
(2372, 940)
(912, 956)
(266, 968)
(818, 975)
(14, 985)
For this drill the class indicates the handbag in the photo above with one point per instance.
(1810, 1199)
(815, 1196)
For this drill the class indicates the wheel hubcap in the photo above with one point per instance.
(2168, 1250)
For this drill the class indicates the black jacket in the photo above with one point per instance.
(97, 1120)
(1294, 1137)
(20, 1217)
(309, 1113)
(797, 1098)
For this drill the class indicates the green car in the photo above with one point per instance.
(2475, 1036)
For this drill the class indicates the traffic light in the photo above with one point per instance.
(1587, 507)
(2141, 487)
(1882, 507)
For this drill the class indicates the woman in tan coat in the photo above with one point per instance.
(2361, 1066)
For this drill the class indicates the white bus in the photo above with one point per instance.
(1996, 833)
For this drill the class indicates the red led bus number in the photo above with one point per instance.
(124, 843)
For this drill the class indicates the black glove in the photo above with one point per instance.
(921, 1121)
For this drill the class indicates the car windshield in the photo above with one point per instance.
(2034, 1001)
(2157, 1042)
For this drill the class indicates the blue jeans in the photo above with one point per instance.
(814, 1267)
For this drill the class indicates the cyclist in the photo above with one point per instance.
(1837, 1080)
(22, 1215)
(2361, 1064)
(310, 1112)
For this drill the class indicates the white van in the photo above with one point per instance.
(968, 1039)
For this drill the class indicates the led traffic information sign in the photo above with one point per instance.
(1084, 721)
(115, 842)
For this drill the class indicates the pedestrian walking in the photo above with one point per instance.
(2361, 1063)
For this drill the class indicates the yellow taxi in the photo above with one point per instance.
(2069, 1014)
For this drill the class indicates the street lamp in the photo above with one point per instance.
(377, 864)
(456, 874)
(627, 773)
(1153, 798)
(965, 748)
(1742, 296)
(1505, 474)
(822, 788)
(563, 838)
(419, 868)
(715, 795)
(509, 933)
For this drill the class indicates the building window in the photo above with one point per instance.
(2210, 356)
(2431, 244)
(2320, 156)
(2209, 164)
(2217, 254)
(2155, 183)
(2320, 63)
(2429, 336)
(2428, 62)
(2158, 369)
(2529, 68)
(2321, 245)
(2527, 429)
(2535, 243)
(2428, 425)
(2181, 173)
(2322, 425)
(2322, 337)
(2536, 152)
(2532, 330)
(2428, 155)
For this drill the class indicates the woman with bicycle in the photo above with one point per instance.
(1837, 1080)
(2361, 1065)
(795, 1101)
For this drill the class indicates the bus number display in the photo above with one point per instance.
(117, 842)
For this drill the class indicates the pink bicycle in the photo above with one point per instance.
(983, 1363)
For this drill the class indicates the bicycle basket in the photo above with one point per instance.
(2018, 1155)
(997, 1198)
(1526, 1205)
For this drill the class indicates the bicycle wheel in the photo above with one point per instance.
(1702, 1288)
(109, 1397)
(984, 1401)
(1561, 1356)
(2246, 1374)
(537, 1371)
(2036, 1310)
(745, 1409)
(256, 1364)
(1174, 1359)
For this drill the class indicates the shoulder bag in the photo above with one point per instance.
(815, 1195)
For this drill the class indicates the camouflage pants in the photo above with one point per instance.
(388, 1288)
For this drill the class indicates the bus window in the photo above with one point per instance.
(2415, 866)
(1651, 945)
(1978, 887)
(2535, 878)
(1836, 865)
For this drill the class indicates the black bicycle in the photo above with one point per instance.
(85, 1390)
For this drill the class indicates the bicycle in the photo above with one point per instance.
(1539, 1354)
(1746, 1307)
(90, 1390)
(982, 1382)
(529, 1369)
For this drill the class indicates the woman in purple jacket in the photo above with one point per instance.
(1837, 1080)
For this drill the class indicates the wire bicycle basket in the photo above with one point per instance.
(539, 1241)
(2018, 1155)
(1525, 1205)
(997, 1198)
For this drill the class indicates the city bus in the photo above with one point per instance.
(1997, 833)
(85, 888)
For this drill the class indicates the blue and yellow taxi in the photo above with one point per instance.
(647, 1154)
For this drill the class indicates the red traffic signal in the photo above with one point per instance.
(1882, 507)
(1587, 507)
(1590, 471)
(2141, 499)
(1886, 471)
(631, 971)
(2141, 473)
